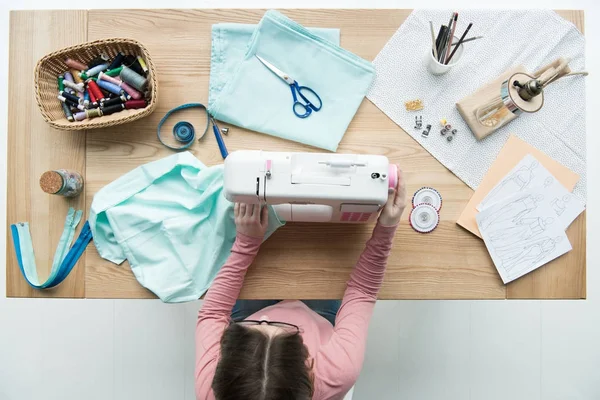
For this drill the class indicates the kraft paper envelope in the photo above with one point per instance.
(513, 151)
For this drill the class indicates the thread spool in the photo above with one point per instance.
(76, 64)
(96, 70)
(142, 64)
(133, 78)
(67, 111)
(76, 77)
(134, 94)
(117, 61)
(71, 97)
(93, 113)
(135, 104)
(112, 109)
(93, 99)
(75, 86)
(132, 62)
(111, 87)
(114, 71)
(61, 85)
(94, 87)
(62, 182)
(97, 61)
(86, 99)
(80, 116)
(68, 77)
(114, 101)
(84, 76)
(102, 76)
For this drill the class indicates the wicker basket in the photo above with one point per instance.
(52, 65)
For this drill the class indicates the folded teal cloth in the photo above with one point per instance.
(229, 45)
(171, 221)
(254, 98)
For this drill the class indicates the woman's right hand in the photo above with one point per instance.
(393, 209)
(251, 220)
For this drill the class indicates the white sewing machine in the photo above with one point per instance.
(311, 187)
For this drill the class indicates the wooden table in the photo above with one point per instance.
(300, 260)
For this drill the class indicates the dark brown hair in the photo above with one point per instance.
(256, 366)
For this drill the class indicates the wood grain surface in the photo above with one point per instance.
(302, 260)
(34, 147)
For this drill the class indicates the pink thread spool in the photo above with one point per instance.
(76, 64)
(130, 91)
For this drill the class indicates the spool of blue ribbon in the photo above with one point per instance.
(183, 131)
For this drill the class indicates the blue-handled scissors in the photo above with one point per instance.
(302, 110)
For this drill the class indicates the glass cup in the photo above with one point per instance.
(436, 67)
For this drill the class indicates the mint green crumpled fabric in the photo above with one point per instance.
(169, 219)
(254, 98)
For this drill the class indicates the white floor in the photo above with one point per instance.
(90, 349)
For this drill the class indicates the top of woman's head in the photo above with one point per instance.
(257, 366)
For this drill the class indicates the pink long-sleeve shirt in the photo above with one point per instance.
(338, 351)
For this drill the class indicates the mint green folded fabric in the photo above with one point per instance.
(229, 45)
(170, 220)
(254, 98)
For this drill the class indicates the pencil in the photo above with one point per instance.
(469, 40)
(442, 53)
(450, 39)
(461, 40)
(433, 40)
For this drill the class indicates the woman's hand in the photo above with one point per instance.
(393, 209)
(251, 220)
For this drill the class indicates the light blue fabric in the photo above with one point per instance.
(229, 45)
(254, 98)
(170, 220)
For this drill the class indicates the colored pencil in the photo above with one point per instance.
(469, 40)
(450, 38)
(461, 40)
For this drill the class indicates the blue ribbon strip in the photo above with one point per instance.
(63, 261)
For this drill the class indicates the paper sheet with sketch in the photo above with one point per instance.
(530, 174)
(522, 233)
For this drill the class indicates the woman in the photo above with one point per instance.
(286, 350)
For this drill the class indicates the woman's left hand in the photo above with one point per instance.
(251, 220)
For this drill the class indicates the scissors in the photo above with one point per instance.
(302, 110)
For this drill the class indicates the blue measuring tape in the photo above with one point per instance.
(183, 131)
(63, 261)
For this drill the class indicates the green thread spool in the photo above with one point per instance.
(114, 72)
(61, 84)
(93, 112)
(133, 78)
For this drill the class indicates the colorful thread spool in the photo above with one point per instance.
(75, 64)
(123, 85)
(114, 101)
(135, 104)
(86, 99)
(133, 63)
(117, 61)
(133, 78)
(93, 99)
(114, 72)
(68, 77)
(93, 86)
(142, 63)
(62, 182)
(111, 87)
(75, 86)
(112, 109)
(71, 97)
(76, 76)
(96, 70)
(67, 111)
(61, 85)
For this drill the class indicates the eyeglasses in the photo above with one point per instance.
(282, 325)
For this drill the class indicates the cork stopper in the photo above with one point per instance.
(51, 182)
